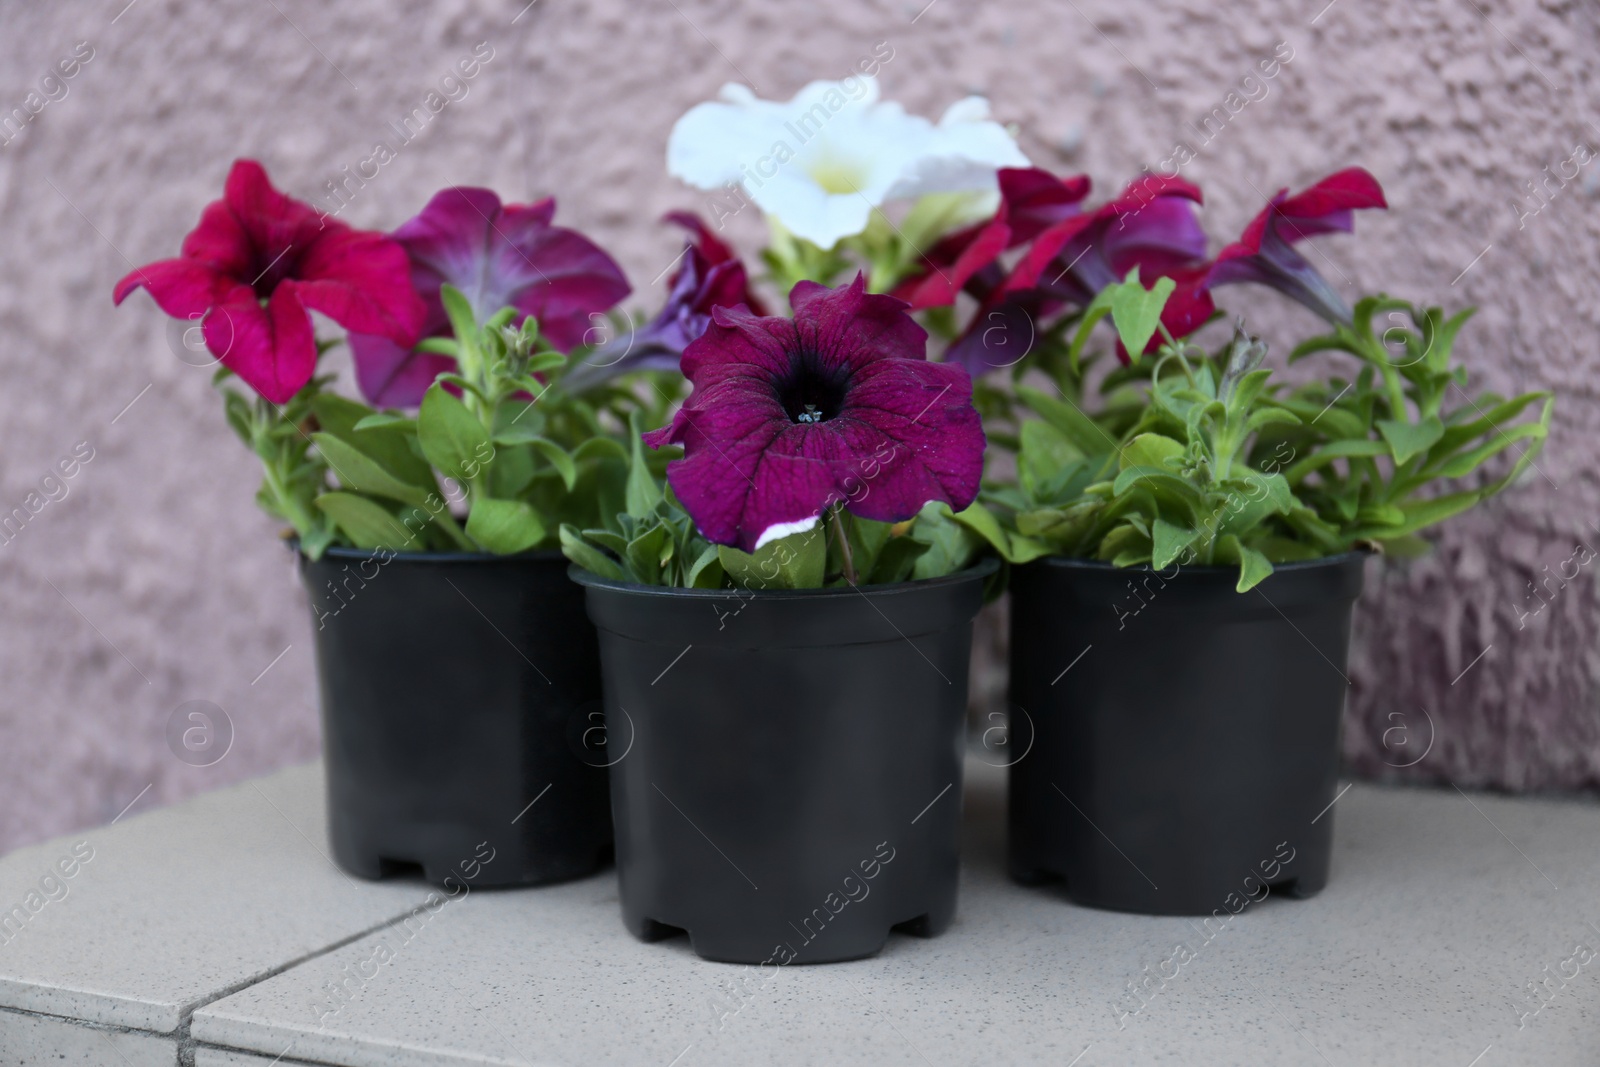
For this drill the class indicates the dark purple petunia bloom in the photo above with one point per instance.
(839, 404)
(498, 256)
(710, 276)
(1265, 253)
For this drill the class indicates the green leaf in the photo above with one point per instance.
(367, 524)
(1407, 439)
(643, 493)
(1421, 514)
(379, 419)
(793, 562)
(1046, 460)
(1151, 450)
(1156, 478)
(559, 458)
(1098, 309)
(1077, 427)
(587, 556)
(706, 571)
(512, 471)
(1467, 462)
(1136, 311)
(452, 437)
(643, 553)
(440, 346)
(1167, 542)
(951, 544)
(897, 560)
(1254, 568)
(359, 471)
(393, 446)
(1330, 452)
(504, 526)
(462, 320)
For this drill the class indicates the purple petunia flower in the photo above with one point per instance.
(498, 256)
(839, 404)
(1265, 253)
(710, 276)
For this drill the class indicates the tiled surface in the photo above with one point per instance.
(170, 909)
(1416, 954)
(29, 1040)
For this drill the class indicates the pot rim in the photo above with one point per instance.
(982, 569)
(1069, 562)
(347, 552)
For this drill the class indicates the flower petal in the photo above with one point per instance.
(912, 435)
(848, 327)
(280, 228)
(362, 281)
(510, 255)
(220, 242)
(182, 288)
(391, 375)
(272, 349)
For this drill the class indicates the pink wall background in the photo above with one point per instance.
(154, 581)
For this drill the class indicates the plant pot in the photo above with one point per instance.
(791, 784)
(1184, 754)
(452, 688)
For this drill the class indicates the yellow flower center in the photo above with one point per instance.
(837, 176)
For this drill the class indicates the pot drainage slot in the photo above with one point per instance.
(654, 931)
(918, 927)
(393, 868)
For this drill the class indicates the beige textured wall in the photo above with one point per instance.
(155, 582)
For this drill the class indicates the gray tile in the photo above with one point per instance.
(28, 1040)
(167, 910)
(1417, 953)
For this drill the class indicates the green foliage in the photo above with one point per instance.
(651, 540)
(522, 454)
(1220, 465)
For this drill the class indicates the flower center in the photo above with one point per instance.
(837, 176)
(809, 397)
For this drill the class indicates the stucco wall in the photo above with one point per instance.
(154, 581)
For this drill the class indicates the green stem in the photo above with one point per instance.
(844, 545)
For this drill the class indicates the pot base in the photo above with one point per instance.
(1185, 748)
(791, 788)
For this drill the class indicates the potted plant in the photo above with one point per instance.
(784, 636)
(456, 665)
(1191, 553)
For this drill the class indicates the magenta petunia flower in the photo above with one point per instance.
(838, 404)
(1031, 201)
(498, 255)
(254, 267)
(1265, 253)
(1151, 225)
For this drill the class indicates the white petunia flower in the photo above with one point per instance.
(821, 162)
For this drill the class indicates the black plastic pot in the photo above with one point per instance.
(787, 784)
(454, 694)
(1182, 750)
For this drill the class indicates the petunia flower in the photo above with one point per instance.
(258, 263)
(709, 275)
(1031, 201)
(498, 255)
(1074, 254)
(819, 163)
(838, 404)
(1265, 253)
(1151, 226)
